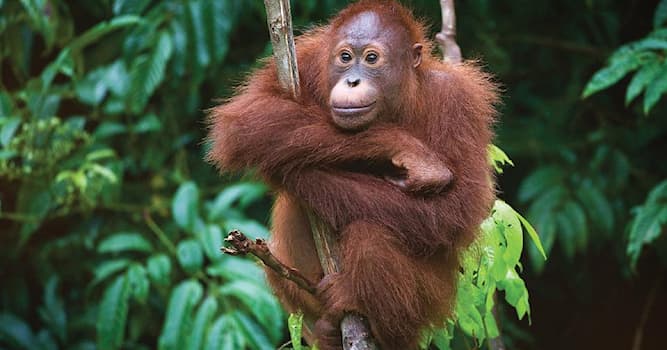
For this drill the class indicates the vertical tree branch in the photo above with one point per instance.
(279, 20)
(355, 331)
(447, 37)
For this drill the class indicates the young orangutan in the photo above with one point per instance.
(388, 146)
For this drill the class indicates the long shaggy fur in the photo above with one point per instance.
(399, 249)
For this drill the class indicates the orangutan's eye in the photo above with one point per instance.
(372, 57)
(345, 57)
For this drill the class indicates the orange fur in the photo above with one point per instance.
(399, 249)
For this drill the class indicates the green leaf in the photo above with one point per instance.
(619, 66)
(642, 78)
(203, 318)
(93, 34)
(648, 222)
(596, 205)
(16, 332)
(196, 13)
(251, 228)
(660, 15)
(6, 105)
(295, 323)
(108, 268)
(118, 78)
(100, 154)
(177, 325)
(537, 182)
(577, 219)
(211, 239)
(108, 129)
(36, 200)
(254, 334)
(138, 281)
(224, 335)
(498, 158)
(190, 256)
(104, 172)
(655, 90)
(468, 316)
(112, 314)
(185, 206)
(125, 241)
(147, 72)
(658, 194)
(129, 7)
(9, 127)
(533, 235)
(258, 301)
(236, 268)
(221, 17)
(159, 269)
(490, 325)
(511, 231)
(147, 124)
(52, 310)
(244, 193)
(516, 293)
(92, 88)
(567, 235)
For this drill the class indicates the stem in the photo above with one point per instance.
(159, 233)
(639, 332)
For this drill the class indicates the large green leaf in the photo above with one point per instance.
(190, 255)
(125, 241)
(53, 311)
(511, 231)
(258, 301)
(617, 69)
(642, 78)
(236, 268)
(540, 181)
(185, 206)
(129, 7)
(255, 335)
(112, 314)
(35, 200)
(203, 318)
(243, 193)
(648, 222)
(211, 240)
(159, 269)
(137, 278)
(108, 268)
(178, 318)
(148, 71)
(16, 332)
(224, 334)
(596, 205)
(8, 127)
(655, 90)
(197, 35)
(93, 34)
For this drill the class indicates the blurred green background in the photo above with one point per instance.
(110, 219)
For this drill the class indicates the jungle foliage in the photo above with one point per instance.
(111, 221)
